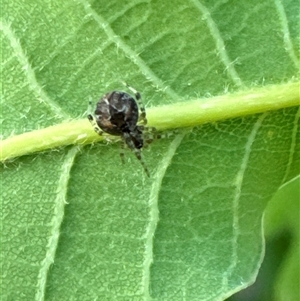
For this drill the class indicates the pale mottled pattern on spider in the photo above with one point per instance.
(117, 113)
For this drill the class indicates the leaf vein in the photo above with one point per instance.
(235, 204)
(29, 72)
(56, 222)
(286, 33)
(134, 57)
(293, 146)
(220, 45)
(154, 212)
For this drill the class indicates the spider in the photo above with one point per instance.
(117, 113)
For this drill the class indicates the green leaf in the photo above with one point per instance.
(282, 216)
(79, 225)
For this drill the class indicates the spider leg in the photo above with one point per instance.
(138, 97)
(137, 153)
(122, 155)
(149, 134)
(92, 120)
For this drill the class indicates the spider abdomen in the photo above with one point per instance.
(116, 113)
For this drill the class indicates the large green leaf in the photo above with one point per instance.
(282, 217)
(76, 223)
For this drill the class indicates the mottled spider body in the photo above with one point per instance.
(117, 113)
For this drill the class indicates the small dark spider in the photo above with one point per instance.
(117, 113)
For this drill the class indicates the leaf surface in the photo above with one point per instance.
(194, 230)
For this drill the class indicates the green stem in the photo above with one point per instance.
(178, 115)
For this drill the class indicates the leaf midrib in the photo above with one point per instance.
(175, 116)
